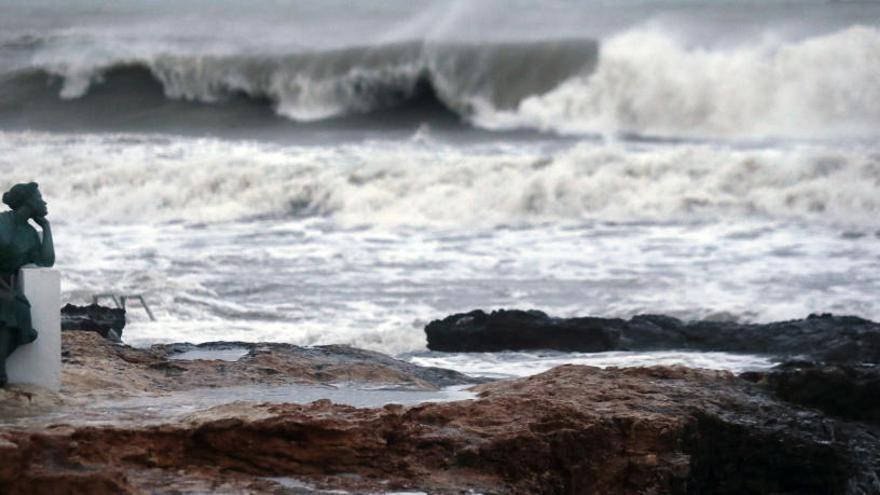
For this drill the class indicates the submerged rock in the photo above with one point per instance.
(108, 322)
(822, 337)
(573, 429)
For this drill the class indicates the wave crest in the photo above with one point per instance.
(647, 83)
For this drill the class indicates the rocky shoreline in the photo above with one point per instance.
(804, 427)
(573, 429)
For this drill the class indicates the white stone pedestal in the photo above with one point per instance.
(39, 363)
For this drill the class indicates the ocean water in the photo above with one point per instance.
(322, 172)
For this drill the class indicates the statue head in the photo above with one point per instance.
(26, 195)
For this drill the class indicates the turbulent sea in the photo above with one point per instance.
(323, 171)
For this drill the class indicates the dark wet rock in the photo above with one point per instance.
(108, 322)
(730, 456)
(849, 391)
(822, 337)
(514, 330)
(571, 430)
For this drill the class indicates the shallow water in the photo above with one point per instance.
(231, 354)
(301, 487)
(165, 408)
(307, 283)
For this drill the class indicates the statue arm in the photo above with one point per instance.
(46, 251)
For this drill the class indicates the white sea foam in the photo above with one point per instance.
(155, 179)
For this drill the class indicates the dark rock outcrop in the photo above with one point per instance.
(571, 430)
(821, 337)
(514, 330)
(108, 322)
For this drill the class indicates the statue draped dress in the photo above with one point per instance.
(19, 246)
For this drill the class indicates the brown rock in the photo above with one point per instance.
(573, 429)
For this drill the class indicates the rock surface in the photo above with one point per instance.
(108, 322)
(820, 337)
(573, 429)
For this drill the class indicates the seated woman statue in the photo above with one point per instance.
(20, 245)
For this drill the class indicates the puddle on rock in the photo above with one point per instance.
(231, 354)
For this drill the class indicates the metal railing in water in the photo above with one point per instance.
(120, 301)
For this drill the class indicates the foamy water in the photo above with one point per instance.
(364, 244)
(517, 364)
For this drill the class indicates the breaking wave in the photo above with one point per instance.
(129, 178)
(311, 86)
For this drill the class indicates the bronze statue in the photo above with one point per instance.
(20, 245)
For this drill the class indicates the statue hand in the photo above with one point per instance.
(43, 222)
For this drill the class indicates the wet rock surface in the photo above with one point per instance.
(328, 363)
(94, 366)
(819, 337)
(850, 391)
(108, 322)
(573, 429)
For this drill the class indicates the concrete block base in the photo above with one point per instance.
(39, 363)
